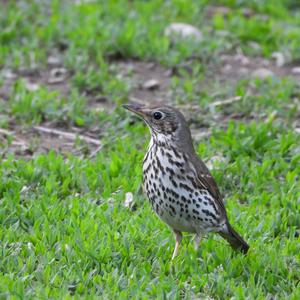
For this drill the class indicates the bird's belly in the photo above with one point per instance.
(179, 205)
(169, 183)
(178, 223)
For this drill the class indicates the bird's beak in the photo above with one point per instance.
(135, 108)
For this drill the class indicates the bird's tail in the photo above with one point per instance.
(234, 239)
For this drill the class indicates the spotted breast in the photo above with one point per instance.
(169, 183)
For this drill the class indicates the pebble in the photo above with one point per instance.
(32, 87)
(8, 74)
(296, 70)
(53, 61)
(262, 73)
(151, 84)
(183, 31)
(279, 59)
(57, 75)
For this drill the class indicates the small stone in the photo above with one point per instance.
(8, 74)
(57, 75)
(242, 58)
(183, 31)
(151, 84)
(296, 70)
(53, 61)
(32, 87)
(279, 58)
(262, 73)
(245, 61)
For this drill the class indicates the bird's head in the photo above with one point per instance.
(166, 123)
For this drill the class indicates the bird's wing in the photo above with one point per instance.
(206, 180)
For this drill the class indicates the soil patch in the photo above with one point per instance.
(239, 66)
(149, 82)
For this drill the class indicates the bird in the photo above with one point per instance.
(178, 184)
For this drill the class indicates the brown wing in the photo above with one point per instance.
(206, 180)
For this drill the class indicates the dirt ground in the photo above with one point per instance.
(149, 82)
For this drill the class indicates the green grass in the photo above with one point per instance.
(89, 31)
(65, 231)
(64, 224)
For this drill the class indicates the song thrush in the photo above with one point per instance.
(179, 186)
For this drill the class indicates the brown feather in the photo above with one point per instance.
(206, 179)
(176, 127)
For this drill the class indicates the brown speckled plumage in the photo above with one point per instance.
(179, 186)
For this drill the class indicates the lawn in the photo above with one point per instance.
(70, 155)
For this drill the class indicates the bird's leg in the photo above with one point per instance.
(178, 237)
(197, 240)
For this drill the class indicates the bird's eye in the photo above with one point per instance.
(157, 115)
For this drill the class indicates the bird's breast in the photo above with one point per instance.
(169, 183)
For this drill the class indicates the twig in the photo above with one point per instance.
(67, 135)
(225, 102)
(16, 140)
(96, 151)
(189, 106)
(20, 143)
(6, 132)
